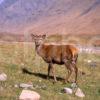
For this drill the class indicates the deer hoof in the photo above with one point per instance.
(55, 81)
(64, 82)
(69, 81)
(48, 77)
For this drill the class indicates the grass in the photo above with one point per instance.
(16, 56)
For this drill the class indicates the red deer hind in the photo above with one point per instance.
(57, 54)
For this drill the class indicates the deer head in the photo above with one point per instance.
(38, 39)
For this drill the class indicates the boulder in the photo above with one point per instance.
(29, 95)
(24, 85)
(79, 93)
(68, 90)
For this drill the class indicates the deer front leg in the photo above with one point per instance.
(49, 68)
(53, 72)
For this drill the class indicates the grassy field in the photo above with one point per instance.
(16, 56)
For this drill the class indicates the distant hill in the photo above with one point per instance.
(78, 39)
(50, 16)
(10, 37)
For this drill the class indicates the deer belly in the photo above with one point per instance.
(57, 61)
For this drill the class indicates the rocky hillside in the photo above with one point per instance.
(50, 16)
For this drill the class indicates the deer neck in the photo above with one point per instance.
(38, 48)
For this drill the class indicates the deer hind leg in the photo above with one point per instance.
(68, 76)
(76, 72)
(73, 68)
(70, 70)
(74, 60)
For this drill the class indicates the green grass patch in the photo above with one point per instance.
(16, 56)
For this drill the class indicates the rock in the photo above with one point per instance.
(68, 90)
(93, 64)
(23, 85)
(89, 61)
(3, 77)
(40, 80)
(16, 85)
(40, 86)
(29, 95)
(79, 93)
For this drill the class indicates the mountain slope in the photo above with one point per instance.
(50, 16)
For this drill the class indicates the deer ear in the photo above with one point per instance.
(44, 36)
(33, 35)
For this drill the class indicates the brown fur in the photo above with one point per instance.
(58, 54)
